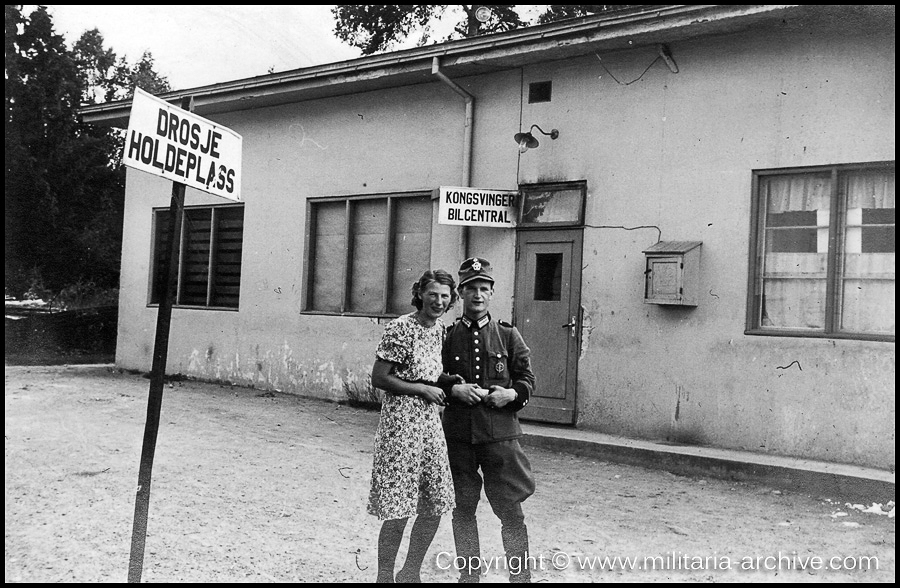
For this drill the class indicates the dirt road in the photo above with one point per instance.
(255, 487)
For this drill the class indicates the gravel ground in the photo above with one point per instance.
(251, 486)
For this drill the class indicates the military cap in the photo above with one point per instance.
(475, 268)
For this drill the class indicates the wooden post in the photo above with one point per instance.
(157, 377)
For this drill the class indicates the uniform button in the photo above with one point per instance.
(475, 332)
(477, 376)
(457, 358)
(476, 341)
(477, 350)
(477, 359)
(477, 367)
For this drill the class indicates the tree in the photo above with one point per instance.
(64, 183)
(561, 11)
(373, 28)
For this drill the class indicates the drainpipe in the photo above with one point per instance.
(467, 143)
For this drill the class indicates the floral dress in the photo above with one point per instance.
(410, 470)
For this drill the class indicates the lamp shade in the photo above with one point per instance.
(526, 141)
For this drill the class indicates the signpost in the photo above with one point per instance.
(173, 143)
(477, 207)
(178, 145)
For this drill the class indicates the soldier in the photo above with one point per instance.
(481, 425)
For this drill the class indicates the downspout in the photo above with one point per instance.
(467, 142)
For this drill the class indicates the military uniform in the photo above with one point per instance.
(487, 352)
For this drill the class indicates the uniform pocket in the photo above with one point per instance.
(499, 366)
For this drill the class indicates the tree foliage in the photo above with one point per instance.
(374, 28)
(64, 183)
(561, 11)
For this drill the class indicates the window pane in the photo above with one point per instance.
(412, 249)
(868, 306)
(330, 251)
(552, 206)
(229, 238)
(160, 254)
(796, 288)
(795, 250)
(548, 276)
(797, 304)
(369, 231)
(195, 257)
(867, 292)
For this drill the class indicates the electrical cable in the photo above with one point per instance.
(632, 81)
(659, 231)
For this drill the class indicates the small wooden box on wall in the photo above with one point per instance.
(672, 273)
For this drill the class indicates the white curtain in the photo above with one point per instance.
(794, 283)
(798, 192)
(867, 302)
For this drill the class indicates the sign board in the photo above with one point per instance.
(476, 207)
(175, 144)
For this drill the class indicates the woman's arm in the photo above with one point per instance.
(383, 377)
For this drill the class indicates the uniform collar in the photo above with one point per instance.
(480, 324)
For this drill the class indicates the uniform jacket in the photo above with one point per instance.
(486, 353)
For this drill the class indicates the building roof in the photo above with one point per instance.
(605, 32)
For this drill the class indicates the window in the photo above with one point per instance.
(209, 267)
(539, 92)
(546, 205)
(548, 276)
(364, 253)
(823, 262)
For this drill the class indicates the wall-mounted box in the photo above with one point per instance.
(672, 273)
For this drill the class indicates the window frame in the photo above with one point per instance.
(836, 232)
(214, 243)
(389, 250)
(576, 185)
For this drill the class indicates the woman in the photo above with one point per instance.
(410, 473)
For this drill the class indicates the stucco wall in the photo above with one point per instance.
(395, 140)
(676, 151)
(671, 150)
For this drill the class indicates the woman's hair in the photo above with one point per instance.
(439, 276)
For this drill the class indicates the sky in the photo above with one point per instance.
(197, 45)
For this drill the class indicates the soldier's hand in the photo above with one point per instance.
(500, 396)
(469, 394)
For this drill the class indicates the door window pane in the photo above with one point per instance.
(548, 276)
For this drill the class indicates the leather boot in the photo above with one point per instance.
(518, 561)
(468, 547)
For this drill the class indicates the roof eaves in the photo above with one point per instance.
(646, 25)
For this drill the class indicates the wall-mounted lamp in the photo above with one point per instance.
(527, 141)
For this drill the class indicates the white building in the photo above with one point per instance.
(704, 254)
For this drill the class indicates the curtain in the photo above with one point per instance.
(867, 296)
(794, 283)
(804, 192)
